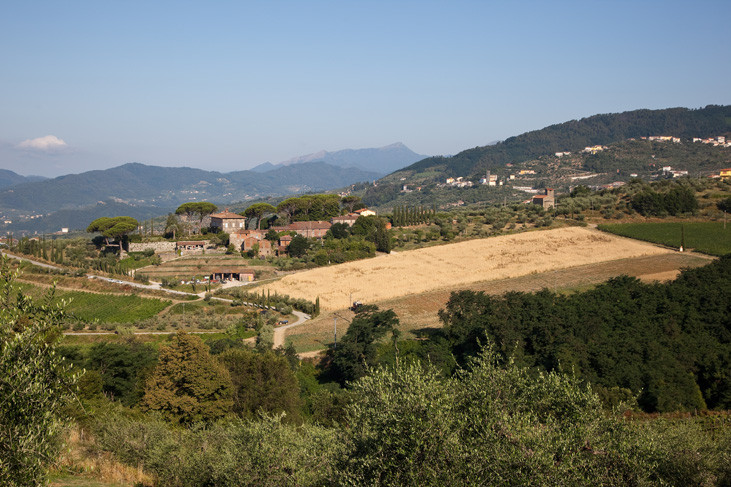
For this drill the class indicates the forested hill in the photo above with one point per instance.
(712, 120)
(9, 178)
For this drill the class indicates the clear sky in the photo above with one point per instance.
(228, 85)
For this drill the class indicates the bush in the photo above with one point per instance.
(285, 310)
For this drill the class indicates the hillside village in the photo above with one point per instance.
(617, 163)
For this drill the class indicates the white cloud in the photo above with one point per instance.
(49, 144)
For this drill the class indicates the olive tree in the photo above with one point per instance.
(35, 383)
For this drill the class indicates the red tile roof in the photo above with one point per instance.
(227, 215)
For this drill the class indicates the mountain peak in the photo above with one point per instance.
(383, 160)
(395, 145)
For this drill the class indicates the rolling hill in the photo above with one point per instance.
(10, 178)
(574, 135)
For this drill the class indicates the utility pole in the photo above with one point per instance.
(335, 325)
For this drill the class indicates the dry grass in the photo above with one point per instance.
(460, 264)
(417, 311)
(79, 458)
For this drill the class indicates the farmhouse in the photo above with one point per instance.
(315, 229)
(546, 200)
(231, 274)
(348, 219)
(284, 242)
(365, 212)
(227, 221)
(245, 240)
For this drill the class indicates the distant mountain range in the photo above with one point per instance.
(383, 160)
(142, 191)
(9, 178)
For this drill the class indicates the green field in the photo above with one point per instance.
(707, 237)
(112, 308)
(107, 308)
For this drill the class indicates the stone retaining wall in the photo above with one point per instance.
(158, 247)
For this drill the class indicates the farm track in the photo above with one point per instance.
(45, 285)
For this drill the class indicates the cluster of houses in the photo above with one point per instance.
(662, 138)
(594, 149)
(459, 182)
(669, 171)
(719, 141)
(488, 180)
(245, 240)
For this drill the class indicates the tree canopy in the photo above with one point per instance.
(257, 211)
(199, 208)
(356, 352)
(669, 343)
(310, 207)
(113, 227)
(188, 385)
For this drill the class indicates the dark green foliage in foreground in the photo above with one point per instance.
(188, 385)
(357, 350)
(670, 343)
(233, 453)
(262, 382)
(494, 423)
(34, 384)
(122, 367)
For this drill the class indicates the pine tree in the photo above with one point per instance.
(188, 385)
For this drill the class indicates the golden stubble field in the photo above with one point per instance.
(424, 270)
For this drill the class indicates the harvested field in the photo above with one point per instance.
(459, 265)
(417, 311)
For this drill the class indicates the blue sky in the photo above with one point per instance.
(228, 85)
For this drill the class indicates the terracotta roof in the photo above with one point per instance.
(540, 196)
(191, 242)
(226, 215)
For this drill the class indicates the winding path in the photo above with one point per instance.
(280, 332)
